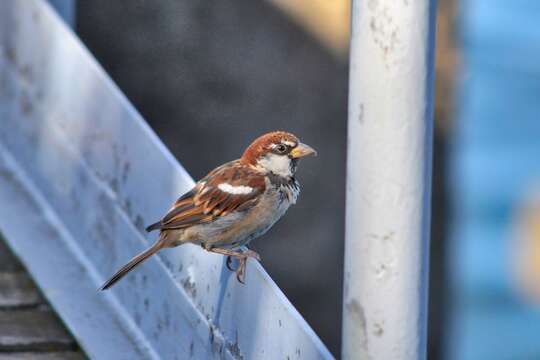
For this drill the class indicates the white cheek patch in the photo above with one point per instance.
(236, 190)
(278, 164)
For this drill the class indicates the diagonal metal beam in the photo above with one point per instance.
(80, 175)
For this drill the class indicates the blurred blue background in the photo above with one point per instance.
(494, 177)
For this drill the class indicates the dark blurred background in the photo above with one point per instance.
(209, 76)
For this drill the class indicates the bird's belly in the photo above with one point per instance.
(239, 228)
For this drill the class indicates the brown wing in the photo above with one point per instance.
(228, 188)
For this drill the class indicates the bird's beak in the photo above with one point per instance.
(302, 150)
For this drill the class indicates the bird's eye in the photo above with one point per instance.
(280, 148)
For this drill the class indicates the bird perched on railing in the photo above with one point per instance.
(233, 204)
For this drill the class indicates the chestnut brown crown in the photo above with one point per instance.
(276, 152)
(266, 144)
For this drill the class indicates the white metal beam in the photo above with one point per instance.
(81, 173)
(388, 179)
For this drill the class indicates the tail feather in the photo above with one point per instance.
(132, 264)
(154, 226)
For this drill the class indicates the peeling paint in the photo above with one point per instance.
(378, 329)
(384, 31)
(357, 329)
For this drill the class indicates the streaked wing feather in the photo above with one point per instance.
(206, 202)
(179, 208)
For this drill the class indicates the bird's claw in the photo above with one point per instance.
(228, 263)
(252, 254)
(240, 278)
(242, 258)
(241, 271)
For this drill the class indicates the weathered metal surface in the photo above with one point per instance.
(388, 179)
(80, 175)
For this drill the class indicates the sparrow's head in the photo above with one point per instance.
(277, 152)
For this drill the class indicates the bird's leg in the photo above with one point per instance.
(229, 253)
(248, 253)
(241, 256)
(226, 252)
(252, 254)
(241, 271)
